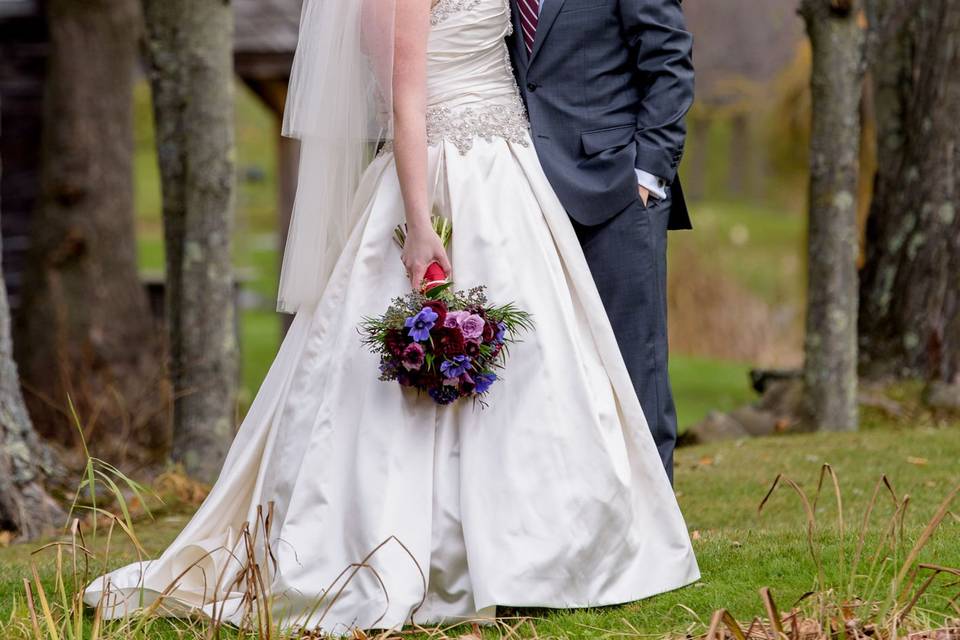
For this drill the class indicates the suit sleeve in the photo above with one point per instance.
(662, 50)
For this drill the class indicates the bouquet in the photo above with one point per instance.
(448, 344)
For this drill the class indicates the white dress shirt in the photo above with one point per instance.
(655, 185)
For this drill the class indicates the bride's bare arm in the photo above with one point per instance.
(410, 137)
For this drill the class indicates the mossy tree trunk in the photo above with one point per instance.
(25, 462)
(837, 34)
(84, 329)
(910, 289)
(190, 52)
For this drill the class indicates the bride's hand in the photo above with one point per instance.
(421, 248)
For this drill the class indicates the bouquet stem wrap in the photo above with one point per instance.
(435, 275)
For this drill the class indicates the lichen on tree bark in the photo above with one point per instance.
(190, 51)
(25, 461)
(910, 289)
(837, 35)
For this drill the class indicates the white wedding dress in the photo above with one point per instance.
(553, 496)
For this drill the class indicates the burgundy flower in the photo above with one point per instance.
(472, 348)
(467, 384)
(395, 342)
(413, 357)
(489, 331)
(430, 379)
(449, 341)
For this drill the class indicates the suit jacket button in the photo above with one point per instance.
(531, 86)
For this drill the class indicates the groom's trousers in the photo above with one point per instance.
(627, 256)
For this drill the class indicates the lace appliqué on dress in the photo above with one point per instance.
(443, 9)
(462, 126)
(446, 8)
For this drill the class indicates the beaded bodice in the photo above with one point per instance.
(471, 90)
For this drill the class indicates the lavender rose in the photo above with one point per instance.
(452, 321)
(472, 327)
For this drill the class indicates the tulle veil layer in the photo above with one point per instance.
(339, 105)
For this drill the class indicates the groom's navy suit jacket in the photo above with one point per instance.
(607, 87)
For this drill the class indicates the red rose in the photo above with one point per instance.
(449, 341)
(395, 342)
(439, 308)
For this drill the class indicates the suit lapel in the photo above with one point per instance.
(548, 14)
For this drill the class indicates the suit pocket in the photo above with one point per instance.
(653, 202)
(600, 140)
(574, 6)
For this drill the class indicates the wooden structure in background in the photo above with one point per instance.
(23, 52)
(265, 41)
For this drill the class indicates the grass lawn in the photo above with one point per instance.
(739, 550)
(701, 385)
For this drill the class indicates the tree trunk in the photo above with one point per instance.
(84, 329)
(25, 462)
(830, 347)
(910, 290)
(190, 52)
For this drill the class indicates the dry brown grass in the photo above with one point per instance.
(877, 597)
(713, 316)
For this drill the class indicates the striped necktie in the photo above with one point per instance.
(529, 16)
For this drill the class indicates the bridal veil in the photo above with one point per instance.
(339, 105)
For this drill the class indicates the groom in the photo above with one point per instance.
(607, 84)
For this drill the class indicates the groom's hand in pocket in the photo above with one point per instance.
(644, 195)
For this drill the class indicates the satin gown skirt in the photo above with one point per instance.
(554, 495)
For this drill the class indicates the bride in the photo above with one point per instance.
(385, 509)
